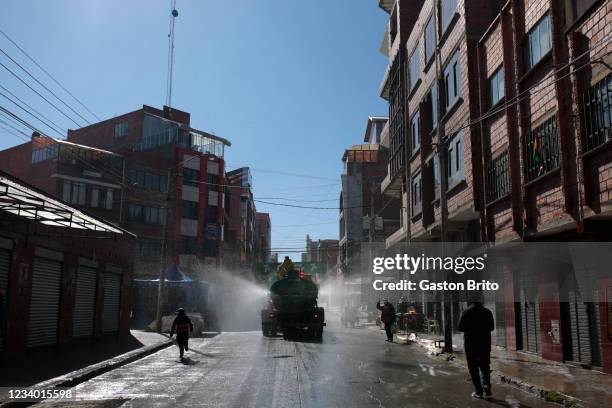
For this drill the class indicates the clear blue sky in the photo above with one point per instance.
(289, 83)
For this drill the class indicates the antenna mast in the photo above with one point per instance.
(173, 16)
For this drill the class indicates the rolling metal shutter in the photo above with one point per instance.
(112, 296)
(584, 330)
(44, 304)
(530, 324)
(5, 266)
(500, 324)
(85, 302)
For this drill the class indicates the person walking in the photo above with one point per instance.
(387, 316)
(477, 323)
(183, 326)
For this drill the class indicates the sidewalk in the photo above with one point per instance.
(43, 364)
(571, 386)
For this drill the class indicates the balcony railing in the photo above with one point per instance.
(498, 178)
(542, 149)
(597, 105)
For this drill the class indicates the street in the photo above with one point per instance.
(350, 367)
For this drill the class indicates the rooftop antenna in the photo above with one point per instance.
(173, 16)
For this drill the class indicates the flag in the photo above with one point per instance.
(537, 152)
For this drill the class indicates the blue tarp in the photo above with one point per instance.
(172, 274)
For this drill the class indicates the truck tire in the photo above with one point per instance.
(264, 330)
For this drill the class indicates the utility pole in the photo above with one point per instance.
(164, 250)
(442, 149)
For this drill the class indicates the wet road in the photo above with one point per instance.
(349, 368)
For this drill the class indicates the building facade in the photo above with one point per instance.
(520, 93)
(148, 171)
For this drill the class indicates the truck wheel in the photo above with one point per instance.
(264, 331)
(319, 334)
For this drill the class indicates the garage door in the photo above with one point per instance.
(112, 296)
(44, 303)
(85, 302)
(5, 264)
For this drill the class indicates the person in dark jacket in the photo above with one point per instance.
(476, 323)
(387, 316)
(183, 326)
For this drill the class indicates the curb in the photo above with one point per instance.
(536, 390)
(79, 376)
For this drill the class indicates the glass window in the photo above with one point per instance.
(191, 177)
(415, 68)
(496, 87)
(146, 215)
(447, 13)
(189, 210)
(189, 245)
(436, 164)
(414, 132)
(95, 197)
(456, 158)
(538, 42)
(121, 129)
(74, 193)
(452, 81)
(430, 38)
(416, 195)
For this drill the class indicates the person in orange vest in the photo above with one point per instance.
(183, 326)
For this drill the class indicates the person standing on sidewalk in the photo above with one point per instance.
(182, 325)
(387, 316)
(477, 323)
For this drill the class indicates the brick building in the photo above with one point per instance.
(65, 275)
(523, 99)
(148, 171)
(263, 237)
(324, 251)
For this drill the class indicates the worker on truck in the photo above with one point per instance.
(285, 267)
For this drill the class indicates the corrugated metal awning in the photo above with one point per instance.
(25, 201)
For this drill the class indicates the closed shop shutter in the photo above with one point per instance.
(44, 303)
(85, 302)
(530, 324)
(112, 296)
(584, 330)
(5, 266)
(500, 324)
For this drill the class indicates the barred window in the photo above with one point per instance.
(498, 177)
(397, 130)
(542, 149)
(597, 105)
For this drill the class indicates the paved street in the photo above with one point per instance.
(351, 367)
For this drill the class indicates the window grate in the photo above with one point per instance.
(498, 178)
(542, 149)
(396, 114)
(597, 105)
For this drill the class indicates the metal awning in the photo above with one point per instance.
(24, 201)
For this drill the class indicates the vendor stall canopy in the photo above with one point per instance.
(27, 202)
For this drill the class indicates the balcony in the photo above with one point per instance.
(392, 185)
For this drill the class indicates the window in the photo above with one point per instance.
(74, 193)
(210, 248)
(414, 133)
(452, 81)
(436, 169)
(191, 177)
(447, 13)
(102, 198)
(45, 153)
(157, 131)
(455, 163)
(148, 180)
(433, 96)
(430, 38)
(211, 213)
(121, 129)
(414, 68)
(538, 42)
(498, 178)
(243, 207)
(397, 125)
(542, 149)
(189, 210)
(212, 182)
(496, 87)
(189, 245)
(146, 215)
(416, 195)
(597, 103)
(146, 248)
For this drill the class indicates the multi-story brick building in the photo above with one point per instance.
(263, 237)
(150, 172)
(523, 91)
(324, 251)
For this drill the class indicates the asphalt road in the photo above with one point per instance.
(349, 368)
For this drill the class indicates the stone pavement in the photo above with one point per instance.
(557, 382)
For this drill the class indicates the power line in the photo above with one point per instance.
(63, 131)
(44, 86)
(31, 114)
(49, 75)
(39, 94)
